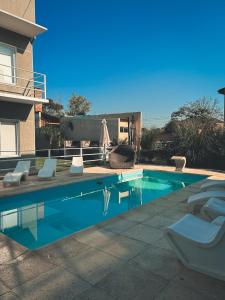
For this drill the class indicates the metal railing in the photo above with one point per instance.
(62, 154)
(21, 81)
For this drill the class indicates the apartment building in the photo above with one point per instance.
(21, 88)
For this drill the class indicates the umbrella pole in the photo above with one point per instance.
(104, 154)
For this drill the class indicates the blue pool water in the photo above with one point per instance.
(39, 218)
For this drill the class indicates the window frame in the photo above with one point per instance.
(14, 75)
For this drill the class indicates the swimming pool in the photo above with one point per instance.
(38, 218)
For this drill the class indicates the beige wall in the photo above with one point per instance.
(23, 60)
(22, 8)
(88, 129)
(22, 44)
(123, 136)
(137, 123)
(24, 114)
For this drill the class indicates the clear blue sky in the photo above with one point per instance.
(132, 55)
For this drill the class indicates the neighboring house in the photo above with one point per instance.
(122, 127)
(20, 87)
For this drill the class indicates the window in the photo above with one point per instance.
(8, 138)
(124, 129)
(7, 64)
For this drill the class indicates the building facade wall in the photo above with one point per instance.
(24, 115)
(23, 62)
(23, 46)
(88, 129)
(137, 123)
(22, 8)
(123, 136)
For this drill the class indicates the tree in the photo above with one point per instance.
(149, 137)
(52, 134)
(78, 105)
(202, 110)
(52, 131)
(194, 142)
(53, 108)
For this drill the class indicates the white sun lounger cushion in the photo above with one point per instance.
(213, 208)
(195, 229)
(201, 198)
(213, 185)
(77, 166)
(200, 245)
(14, 177)
(48, 169)
(21, 171)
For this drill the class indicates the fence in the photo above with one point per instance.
(64, 155)
(24, 82)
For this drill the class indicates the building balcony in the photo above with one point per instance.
(19, 25)
(22, 86)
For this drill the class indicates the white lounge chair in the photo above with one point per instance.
(200, 245)
(48, 170)
(213, 208)
(77, 166)
(20, 173)
(198, 200)
(213, 185)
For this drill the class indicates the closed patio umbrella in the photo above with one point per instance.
(104, 137)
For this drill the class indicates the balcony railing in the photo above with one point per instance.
(23, 82)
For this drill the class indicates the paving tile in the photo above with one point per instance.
(9, 249)
(61, 251)
(93, 265)
(25, 268)
(208, 286)
(152, 209)
(159, 222)
(119, 225)
(144, 233)
(94, 294)
(55, 284)
(159, 261)
(165, 202)
(174, 214)
(132, 282)
(124, 247)
(3, 288)
(95, 238)
(180, 292)
(162, 243)
(135, 215)
(9, 296)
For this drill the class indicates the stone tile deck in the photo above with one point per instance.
(123, 258)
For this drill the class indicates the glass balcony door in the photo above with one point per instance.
(8, 139)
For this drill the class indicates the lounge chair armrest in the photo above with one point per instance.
(219, 221)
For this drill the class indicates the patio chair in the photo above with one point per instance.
(213, 208)
(200, 245)
(77, 166)
(48, 170)
(196, 201)
(20, 173)
(213, 185)
(122, 157)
